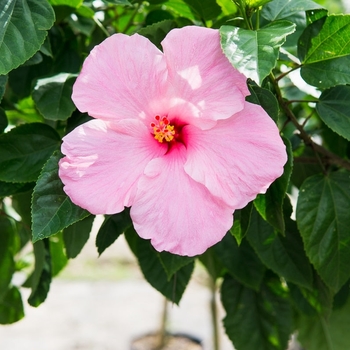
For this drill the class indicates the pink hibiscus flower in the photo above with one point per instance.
(173, 138)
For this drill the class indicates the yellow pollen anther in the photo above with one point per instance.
(162, 130)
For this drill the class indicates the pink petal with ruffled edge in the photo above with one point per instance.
(104, 162)
(178, 214)
(123, 77)
(238, 158)
(201, 75)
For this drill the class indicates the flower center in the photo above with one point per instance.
(162, 130)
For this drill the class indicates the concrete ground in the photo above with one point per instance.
(104, 303)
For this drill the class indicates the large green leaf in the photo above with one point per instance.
(11, 306)
(323, 218)
(24, 25)
(7, 252)
(241, 261)
(52, 210)
(319, 333)
(24, 150)
(256, 320)
(333, 108)
(111, 229)
(326, 38)
(279, 9)
(75, 236)
(52, 96)
(324, 49)
(270, 204)
(284, 255)
(327, 73)
(255, 53)
(153, 268)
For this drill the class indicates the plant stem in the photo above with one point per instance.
(326, 333)
(244, 14)
(131, 19)
(162, 329)
(214, 314)
(100, 25)
(330, 157)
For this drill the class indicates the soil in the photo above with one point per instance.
(172, 342)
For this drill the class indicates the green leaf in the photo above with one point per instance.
(156, 16)
(327, 73)
(204, 9)
(58, 258)
(241, 222)
(82, 24)
(312, 302)
(153, 269)
(284, 255)
(255, 53)
(75, 236)
(24, 25)
(111, 229)
(180, 8)
(173, 263)
(324, 49)
(24, 150)
(265, 98)
(3, 121)
(3, 82)
(41, 279)
(240, 261)
(71, 3)
(279, 9)
(270, 204)
(46, 47)
(52, 210)
(326, 38)
(302, 170)
(7, 252)
(157, 31)
(319, 333)
(323, 218)
(11, 306)
(9, 189)
(24, 110)
(52, 96)
(333, 108)
(212, 263)
(256, 320)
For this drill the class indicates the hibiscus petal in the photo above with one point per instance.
(123, 77)
(104, 162)
(178, 214)
(202, 75)
(238, 158)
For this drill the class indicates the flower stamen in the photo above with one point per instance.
(162, 130)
